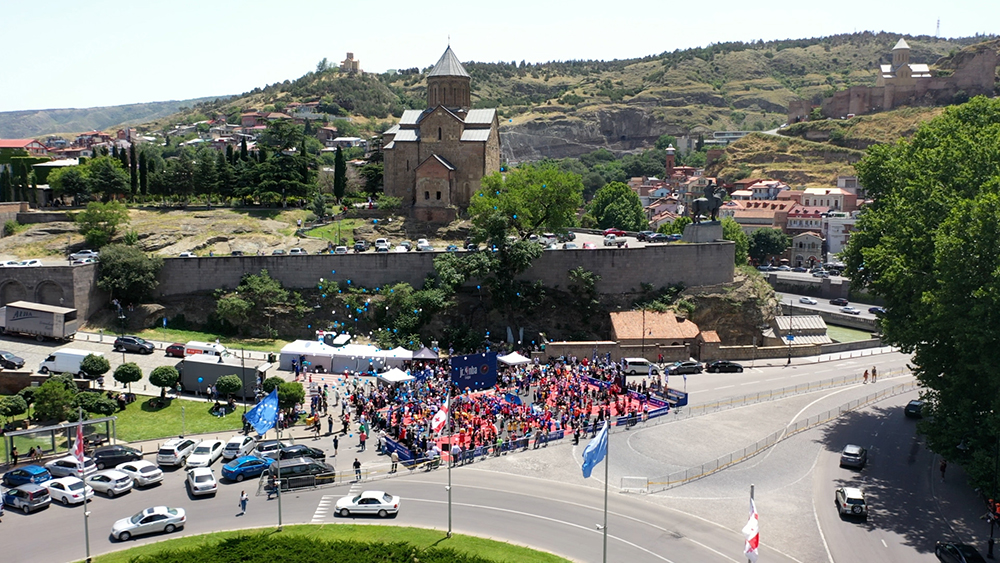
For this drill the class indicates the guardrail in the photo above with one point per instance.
(662, 483)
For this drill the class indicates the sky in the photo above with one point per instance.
(76, 54)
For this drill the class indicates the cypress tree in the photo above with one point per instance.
(114, 150)
(244, 154)
(339, 175)
(4, 183)
(123, 158)
(230, 154)
(143, 174)
(133, 168)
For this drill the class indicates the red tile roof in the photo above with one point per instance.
(628, 325)
(15, 143)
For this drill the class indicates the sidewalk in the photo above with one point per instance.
(960, 507)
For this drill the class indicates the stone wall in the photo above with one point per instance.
(64, 286)
(30, 217)
(9, 212)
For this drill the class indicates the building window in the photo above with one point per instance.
(427, 195)
(407, 165)
(439, 133)
(439, 196)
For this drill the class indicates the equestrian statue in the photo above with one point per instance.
(709, 205)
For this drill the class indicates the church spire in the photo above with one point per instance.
(448, 65)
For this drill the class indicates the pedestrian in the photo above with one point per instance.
(13, 455)
(336, 443)
(866, 376)
(329, 424)
(244, 499)
(395, 460)
(944, 466)
(272, 488)
(357, 469)
(362, 438)
(874, 374)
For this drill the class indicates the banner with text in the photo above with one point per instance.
(474, 371)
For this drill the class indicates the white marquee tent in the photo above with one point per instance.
(514, 359)
(395, 375)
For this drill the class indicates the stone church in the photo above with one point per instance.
(435, 158)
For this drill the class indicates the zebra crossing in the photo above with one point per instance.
(327, 504)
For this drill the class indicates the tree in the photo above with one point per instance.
(527, 200)
(95, 366)
(95, 403)
(225, 177)
(127, 273)
(70, 181)
(319, 206)
(53, 401)
(12, 406)
(164, 377)
(99, 223)
(675, 227)
(205, 178)
(143, 174)
(767, 242)
(927, 247)
(229, 384)
(339, 175)
(133, 168)
(616, 205)
(107, 177)
(373, 176)
(128, 374)
(257, 300)
(664, 141)
(290, 393)
(731, 230)
(271, 383)
(28, 394)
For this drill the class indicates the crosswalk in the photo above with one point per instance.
(327, 504)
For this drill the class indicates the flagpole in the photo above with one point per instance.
(278, 480)
(751, 504)
(450, 461)
(86, 523)
(607, 462)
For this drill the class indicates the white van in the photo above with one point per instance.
(66, 360)
(210, 348)
(640, 366)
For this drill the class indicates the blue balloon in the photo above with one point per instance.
(333, 271)
(200, 379)
(375, 221)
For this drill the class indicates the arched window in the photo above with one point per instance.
(439, 196)
(427, 195)
(407, 165)
(439, 133)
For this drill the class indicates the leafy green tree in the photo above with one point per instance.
(731, 230)
(271, 383)
(95, 403)
(529, 199)
(256, 302)
(164, 377)
(927, 247)
(133, 168)
(107, 177)
(70, 181)
(205, 178)
(676, 227)
(373, 176)
(178, 177)
(339, 175)
(128, 373)
(28, 394)
(664, 141)
(319, 206)
(616, 205)
(95, 366)
(767, 242)
(53, 401)
(290, 393)
(11, 406)
(99, 223)
(229, 384)
(127, 273)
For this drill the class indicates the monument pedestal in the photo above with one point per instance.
(709, 231)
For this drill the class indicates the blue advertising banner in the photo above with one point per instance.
(474, 371)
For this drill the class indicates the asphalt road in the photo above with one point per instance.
(821, 305)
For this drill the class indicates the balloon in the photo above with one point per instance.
(375, 221)
(201, 379)
(309, 326)
(333, 271)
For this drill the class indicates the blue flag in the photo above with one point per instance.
(595, 451)
(264, 416)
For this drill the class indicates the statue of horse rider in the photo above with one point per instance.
(709, 205)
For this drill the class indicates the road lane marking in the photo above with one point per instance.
(723, 387)
(822, 536)
(321, 509)
(884, 544)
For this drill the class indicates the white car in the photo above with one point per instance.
(807, 300)
(30, 264)
(9, 264)
(369, 502)
(201, 481)
(68, 467)
(422, 242)
(68, 490)
(81, 254)
(340, 250)
(238, 446)
(142, 472)
(110, 482)
(83, 261)
(297, 252)
(206, 453)
(149, 521)
(397, 249)
(187, 255)
(851, 502)
(850, 310)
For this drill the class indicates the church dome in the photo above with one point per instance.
(448, 65)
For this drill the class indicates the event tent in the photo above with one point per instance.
(425, 353)
(352, 357)
(513, 359)
(395, 375)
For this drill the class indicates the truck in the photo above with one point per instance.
(38, 320)
(66, 360)
(613, 240)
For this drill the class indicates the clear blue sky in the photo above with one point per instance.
(99, 53)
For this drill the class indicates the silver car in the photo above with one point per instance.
(149, 521)
(69, 467)
(110, 482)
(201, 481)
(142, 472)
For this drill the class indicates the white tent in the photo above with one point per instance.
(397, 356)
(395, 375)
(352, 357)
(514, 359)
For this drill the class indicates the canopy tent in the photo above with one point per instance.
(514, 359)
(395, 375)
(425, 353)
(352, 357)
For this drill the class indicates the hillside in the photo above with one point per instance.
(864, 130)
(37, 123)
(794, 161)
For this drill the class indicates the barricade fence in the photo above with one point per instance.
(662, 483)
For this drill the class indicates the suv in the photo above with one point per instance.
(133, 344)
(266, 447)
(360, 245)
(175, 451)
(851, 501)
(299, 467)
(853, 456)
(644, 235)
(110, 456)
(690, 366)
(28, 497)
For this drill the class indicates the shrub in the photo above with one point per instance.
(229, 384)
(128, 374)
(95, 366)
(163, 377)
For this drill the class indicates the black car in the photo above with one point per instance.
(950, 552)
(914, 409)
(10, 361)
(644, 235)
(110, 456)
(685, 367)
(840, 302)
(236, 253)
(877, 310)
(799, 269)
(724, 366)
(133, 344)
(658, 237)
(299, 450)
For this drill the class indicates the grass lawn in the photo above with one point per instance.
(843, 334)
(329, 231)
(175, 335)
(419, 537)
(142, 421)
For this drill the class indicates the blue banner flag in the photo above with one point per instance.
(264, 415)
(595, 451)
(474, 371)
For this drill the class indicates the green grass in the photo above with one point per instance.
(418, 537)
(143, 421)
(329, 231)
(843, 334)
(176, 335)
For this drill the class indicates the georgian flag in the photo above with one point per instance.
(752, 533)
(440, 419)
(78, 452)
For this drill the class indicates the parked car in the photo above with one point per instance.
(589, 246)
(298, 450)
(406, 244)
(724, 366)
(201, 481)
(265, 447)
(382, 248)
(799, 270)
(187, 255)
(565, 237)
(424, 247)
(9, 264)
(690, 366)
(133, 344)
(914, 409)
(361, 245)
(69, 490)
(82, 261)
(382, 242)
(807, 300)
(950, 552)
(175, 350)
(28, 498)
(110, 482)
(244, 467)
(675, 237)
(110, 456)
(10, 361)
(784, 268)
(569, 246)
(149, 521)
(29, 264)
(656, 238)
(369, 502)
(238, 446)
(471, 247)
(644, 235)
(614, 231)
(143, 473)
(839, 301)
(297, 252)
(68, 467)
(850, 310)
(766, 268)
(821, 274)
(851, 502)
(28, 474)
(175, 451)
(853, 456)
(340, 250)
(206, 453)
(279, 252)
(236, 253)
(451, 248)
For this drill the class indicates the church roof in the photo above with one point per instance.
(482, 135)
(448, 65)
(901, 44)
(440, 159)
(410, 117)
(480, 116)
(404, 135)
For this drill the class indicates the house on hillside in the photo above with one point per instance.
(30, 147)
(806, 250)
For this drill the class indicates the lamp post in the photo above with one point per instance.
(243, 377)
(86, 513)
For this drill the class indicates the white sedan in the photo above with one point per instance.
(807, 300)
(142, 472)
(201, 481)
(850, 310)
(68, 490)
(149, 521)
(206, 453)
(110, 482)
(369, 502)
